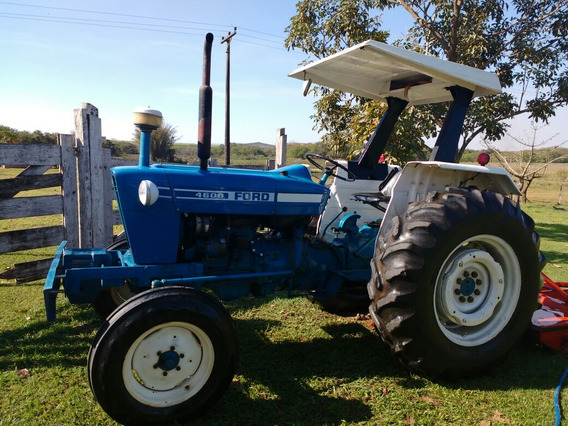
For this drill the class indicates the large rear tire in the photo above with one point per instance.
(165, 355)
(455, 282)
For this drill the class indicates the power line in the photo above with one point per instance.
(260, 32)
(142, 26)
(263, 39)
(66, 19)
(111, 14)
(93, 24)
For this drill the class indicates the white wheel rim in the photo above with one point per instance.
(168, 364)
(477, 290)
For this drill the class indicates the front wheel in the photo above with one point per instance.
(455, 282)
(165, 355)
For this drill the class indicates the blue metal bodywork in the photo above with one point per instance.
(189, 190)
(233, 230)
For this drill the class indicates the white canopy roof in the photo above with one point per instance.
(376, 70)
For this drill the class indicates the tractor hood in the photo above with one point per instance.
(377, 71)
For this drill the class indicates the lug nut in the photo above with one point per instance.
(474, 274)
(470, 299)
(459, 281)
(462, 299)
(478, 281)
(165, 373)
(477, 292)
(457, 292)
(466, 274)
(155, 366)
(172, 348)
(178, 368)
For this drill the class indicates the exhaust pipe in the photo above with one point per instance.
(205, 107)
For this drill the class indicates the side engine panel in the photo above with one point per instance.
(188, 199)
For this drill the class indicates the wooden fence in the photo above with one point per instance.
(85, 202)
(85, 199)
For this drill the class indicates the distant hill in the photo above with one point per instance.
(258, 144)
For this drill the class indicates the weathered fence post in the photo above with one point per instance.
(68, 171)
(281, 140)
(108, 195)
(94, 230)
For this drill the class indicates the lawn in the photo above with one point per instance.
(298, 364)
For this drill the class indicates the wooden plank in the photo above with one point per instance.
(37, 155)
(89, 143)
(31, 206)
(281, 142)
(27, 183)
(29, 171)
(27, 271)
(68, 172)
(31, 238)
(97, 221)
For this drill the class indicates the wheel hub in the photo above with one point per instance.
(472, 288)
(168, 360)
(467, 287)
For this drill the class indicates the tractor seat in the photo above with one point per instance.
(373, 199)
(383, 196)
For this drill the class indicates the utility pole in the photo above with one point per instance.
(227, 40)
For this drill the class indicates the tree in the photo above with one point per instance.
(9, 135)
(522, 165)
(319, 29)
(524, 41)
(162, 142)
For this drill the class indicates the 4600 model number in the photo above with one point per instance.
(211, 195)
(254, 196)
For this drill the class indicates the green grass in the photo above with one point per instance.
(298, 364)
(552, 226)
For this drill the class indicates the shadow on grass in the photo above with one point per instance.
(64, 343)
(285, 370)
(301, 378)
(554, 232)
(306, 381)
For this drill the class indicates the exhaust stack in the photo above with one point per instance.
(205, 107)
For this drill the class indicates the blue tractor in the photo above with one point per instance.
(449, 264)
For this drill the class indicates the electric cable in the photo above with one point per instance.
(557, 398)
(143, 26)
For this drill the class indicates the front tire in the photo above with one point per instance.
(455, 282)
(165, 355)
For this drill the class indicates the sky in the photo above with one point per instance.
(119, 55)
(57, 55)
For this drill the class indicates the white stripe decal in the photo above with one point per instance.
(254, 196)
(284, 197)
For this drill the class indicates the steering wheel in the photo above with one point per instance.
(329, 171)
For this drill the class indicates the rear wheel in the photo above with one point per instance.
(455, 282)
(165, 355)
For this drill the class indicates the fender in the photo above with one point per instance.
(418, 178)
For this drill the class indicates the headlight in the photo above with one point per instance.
(148, 192)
